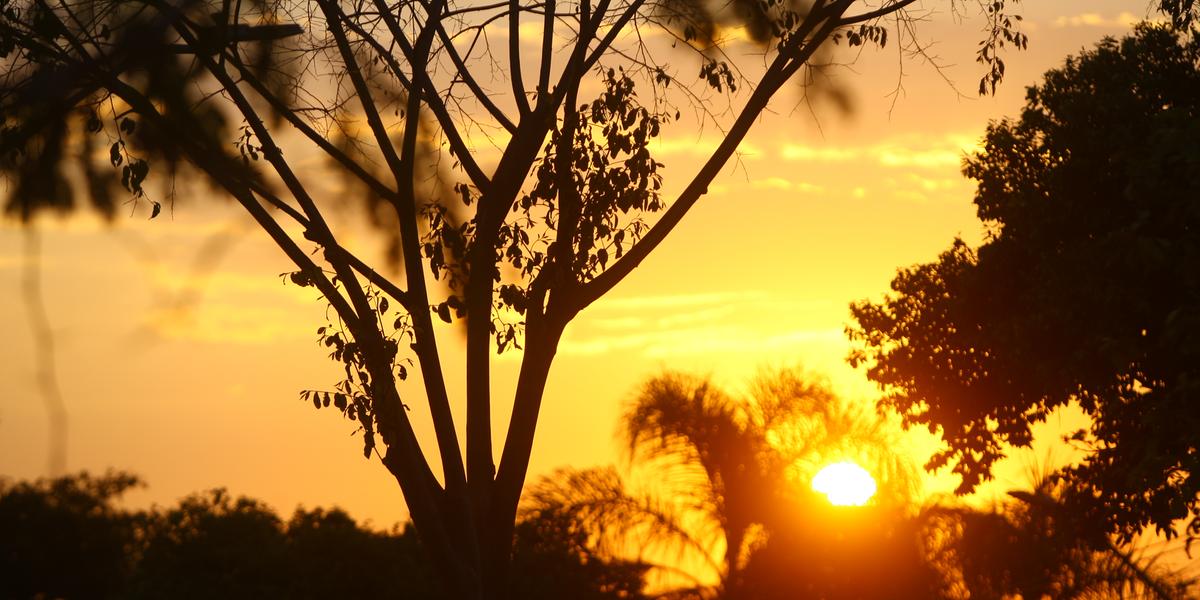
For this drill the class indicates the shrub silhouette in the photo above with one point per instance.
(63, 538)
(67, 538)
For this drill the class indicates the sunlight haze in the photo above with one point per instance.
(845, 484)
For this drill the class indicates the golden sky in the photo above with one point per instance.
(190, 377)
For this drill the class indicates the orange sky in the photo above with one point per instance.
(191, 380)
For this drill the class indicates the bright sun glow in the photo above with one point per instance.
(845, 484)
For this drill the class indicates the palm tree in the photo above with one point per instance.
(730, 470)
(750, 458)
(731, 504)
(717, 450)
(627, 526)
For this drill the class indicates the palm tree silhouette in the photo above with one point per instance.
(729, 470)
(729, 512)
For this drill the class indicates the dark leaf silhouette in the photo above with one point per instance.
(1085, 291)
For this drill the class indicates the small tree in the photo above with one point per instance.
(388, 93)
(1085, 291)
(65, 538)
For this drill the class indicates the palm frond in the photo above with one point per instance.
(619, 523)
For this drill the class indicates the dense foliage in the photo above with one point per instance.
(65, 538)
(1086, 292)
(69, 538)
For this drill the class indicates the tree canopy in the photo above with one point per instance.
(1086, 290)
(69, 537)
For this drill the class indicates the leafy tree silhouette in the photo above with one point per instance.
(340, 558)
(63, 538)
(214, 546)
(1084, 293)
(67, 538)
(552, 559)
(1035, 546)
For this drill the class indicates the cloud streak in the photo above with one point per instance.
(1122, 21)
(700, 340)
(907, 152)
(693, 324)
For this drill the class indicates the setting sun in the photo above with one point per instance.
(845, 484)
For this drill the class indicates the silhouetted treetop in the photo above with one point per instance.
(65, 538)
(68, 538)
(1087, 290)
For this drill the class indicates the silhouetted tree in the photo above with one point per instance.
(623, 526)
(64, 538)
(402, 88)
(552, 559)
(332, 556)
(733, 500)
(1035, 546)
(690, 424)
(1085, 291)
(739, 454)
(214, 546)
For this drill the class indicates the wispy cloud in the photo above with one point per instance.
(908, 151)
(805, 153)
(936, 184)
(703, 147)
(699, 340)
(227, 306)
(220, 283)
(1124, 20)
(779, 183)
(674, 301)
(224, 323)
(689, 324)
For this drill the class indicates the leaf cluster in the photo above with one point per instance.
(1002, 31)
(352, 396)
